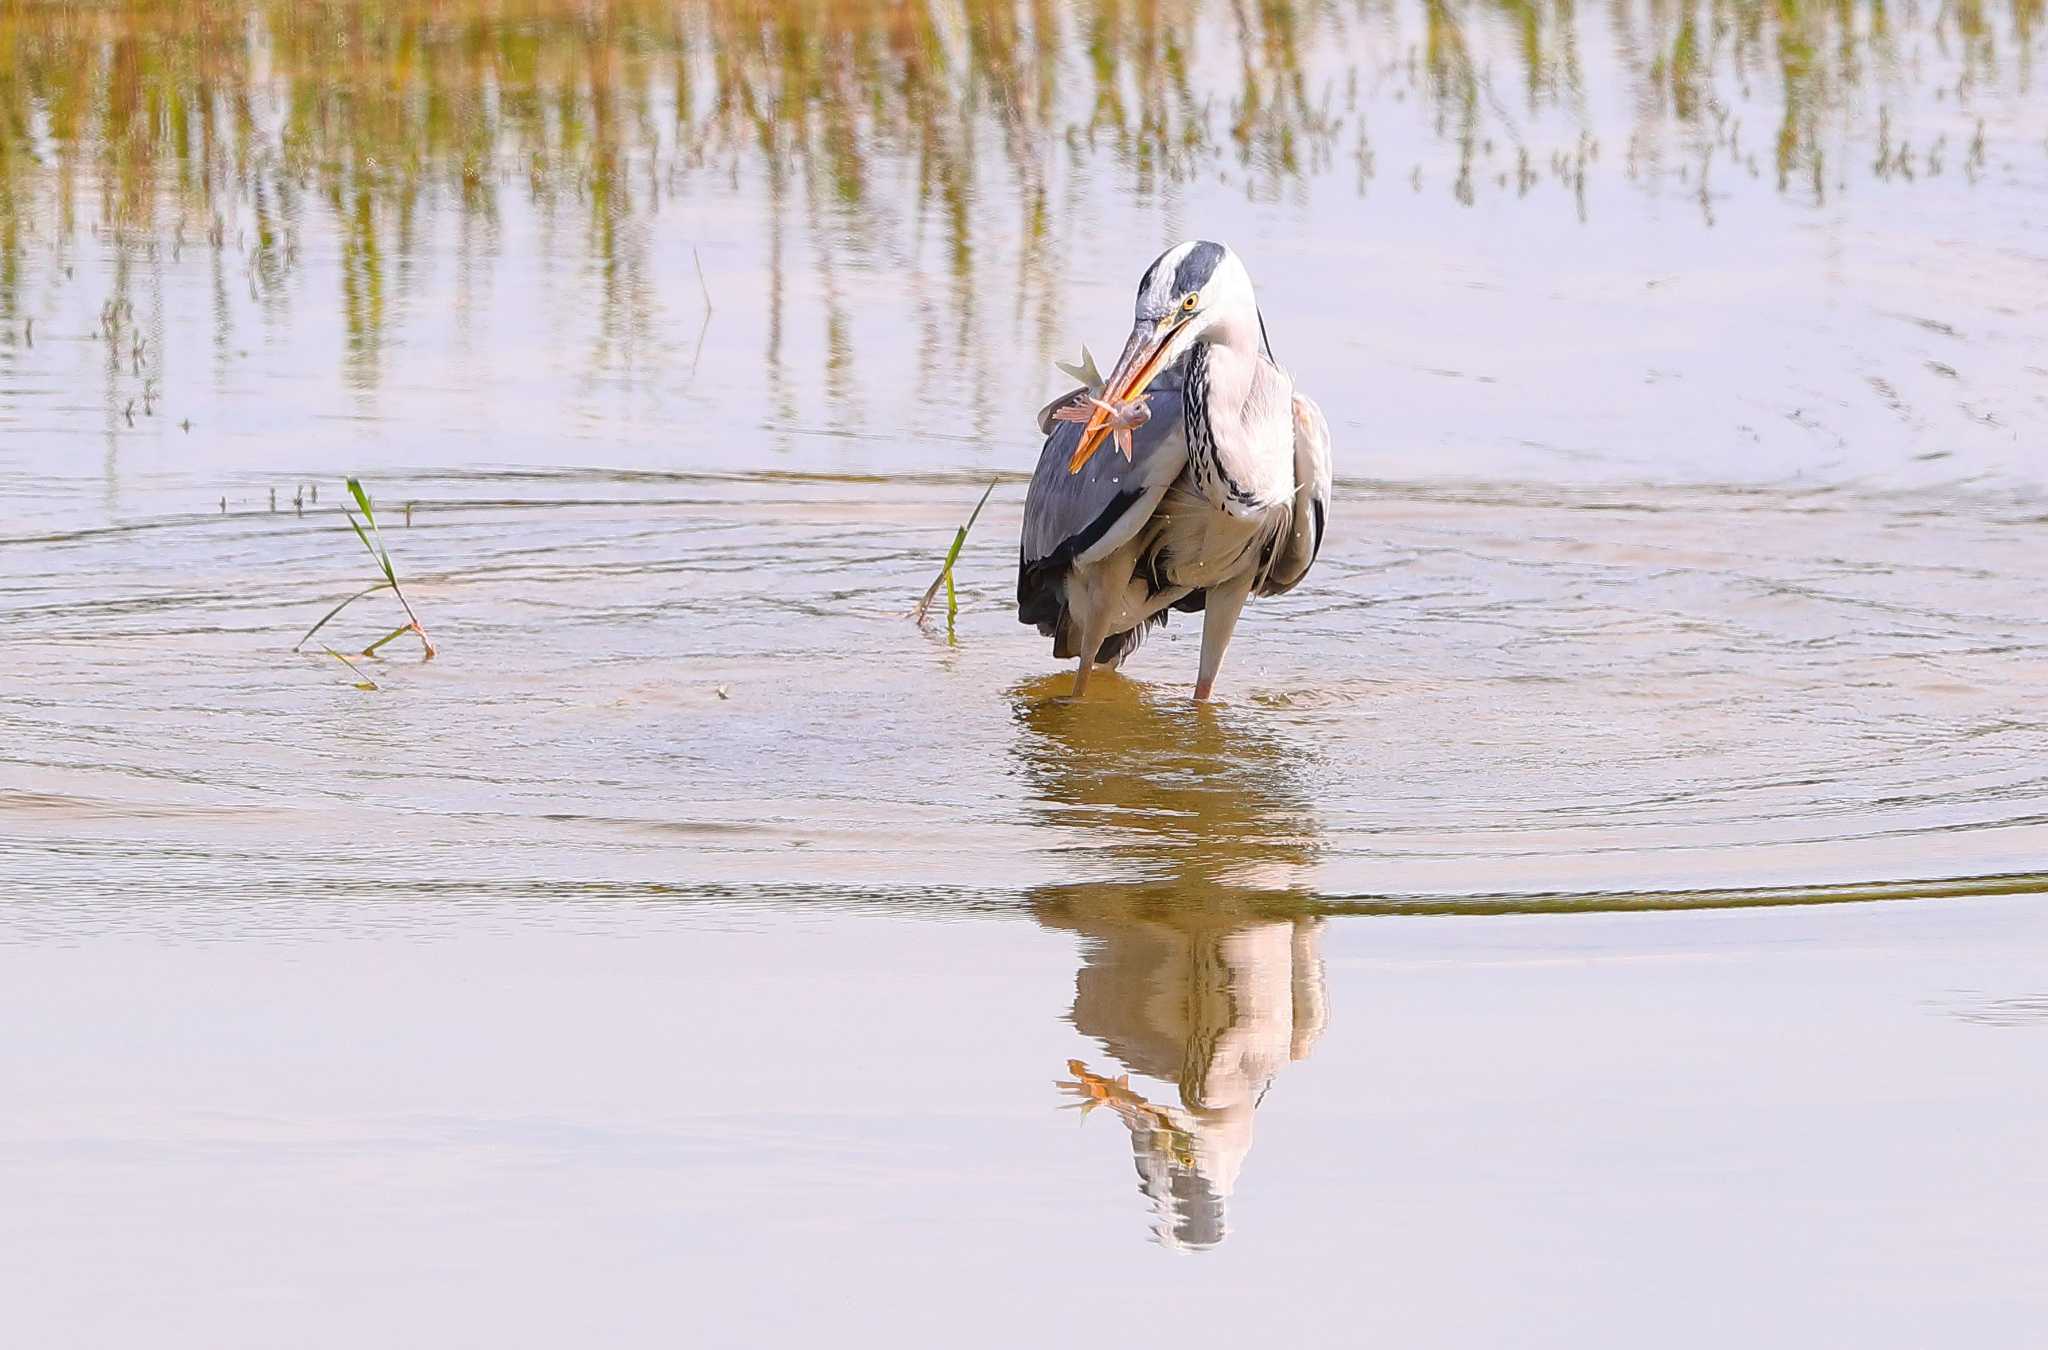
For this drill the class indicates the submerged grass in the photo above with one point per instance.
(945, 576)
(362, 681)
(373, 541)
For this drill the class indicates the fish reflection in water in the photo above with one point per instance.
(1199, 967)
(1217, 1010)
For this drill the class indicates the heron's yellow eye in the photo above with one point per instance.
(1192, 300)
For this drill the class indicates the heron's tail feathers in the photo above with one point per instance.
(1119, 645)
(1114, 648)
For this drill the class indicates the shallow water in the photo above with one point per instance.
(694, 906)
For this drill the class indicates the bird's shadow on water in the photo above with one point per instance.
(1200, 962)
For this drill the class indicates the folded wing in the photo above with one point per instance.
(1297, 550)
(1079, 517)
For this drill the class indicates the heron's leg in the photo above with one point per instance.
(1219, 619)
(1091, 643)
(1091, 607)
(1092, 638)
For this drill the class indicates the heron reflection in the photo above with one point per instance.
(1200, 963)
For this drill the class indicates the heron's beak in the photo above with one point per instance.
(1144, 356)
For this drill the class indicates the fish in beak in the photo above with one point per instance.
(1119, 421)
(1119, 410)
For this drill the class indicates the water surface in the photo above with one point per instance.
(1618, 865)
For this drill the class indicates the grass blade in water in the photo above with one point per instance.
(397, 632)
(378, 552)
(373, 543)
(362, 681)
(372, 590)
(945, 576)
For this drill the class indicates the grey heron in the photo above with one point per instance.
(1217, 489)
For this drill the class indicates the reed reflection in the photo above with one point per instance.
(1200, 966)
(249, 136)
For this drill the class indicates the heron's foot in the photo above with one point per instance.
(1080, 678)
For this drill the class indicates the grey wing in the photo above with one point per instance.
(1079, 517)
(1311, 513)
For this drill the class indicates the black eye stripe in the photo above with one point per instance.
(1194, 270)
(1197, 267)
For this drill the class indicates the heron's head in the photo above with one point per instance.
(1193, 293)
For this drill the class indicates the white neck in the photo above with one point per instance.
(1249, 405)
(1238, 329)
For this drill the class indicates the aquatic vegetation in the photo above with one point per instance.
(362, 681)
(373, 541)
(241, 130)
(945, 576)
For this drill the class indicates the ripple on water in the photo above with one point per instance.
(1703, 698)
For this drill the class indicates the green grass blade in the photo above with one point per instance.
(397, 632)
(959, 539)
(377, 550)
(355, 489)
(383, 564)
(945, 576)
(380, 586)
(362, 681)
(952, 603)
